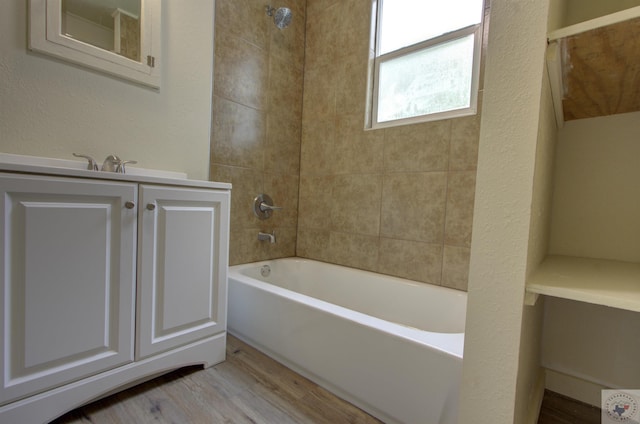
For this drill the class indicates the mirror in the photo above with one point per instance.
(113, 36)
(112, 25)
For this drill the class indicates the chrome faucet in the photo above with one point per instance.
(266, 236)
(113, 163)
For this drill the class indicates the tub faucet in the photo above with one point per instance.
(266, 236)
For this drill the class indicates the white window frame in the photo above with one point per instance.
(378, 59)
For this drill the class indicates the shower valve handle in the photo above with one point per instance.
(266, 207)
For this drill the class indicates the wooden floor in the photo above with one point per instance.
(248, 387)
(558, 409)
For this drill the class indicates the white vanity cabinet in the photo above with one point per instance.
(68, 280)
(181, 283)
(106, 283)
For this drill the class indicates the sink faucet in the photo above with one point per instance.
(113, 163)
(266, 236)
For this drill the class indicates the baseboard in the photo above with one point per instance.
(574, 387)
(535, 400)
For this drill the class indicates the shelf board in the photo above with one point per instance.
(598, 281)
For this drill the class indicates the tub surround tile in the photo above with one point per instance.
(320, 92)
(413, 206)
(257, 121)
(455, 267)
(465, 136)
(459, 217)
(357, 151)
(411, 259)
(314, 244)
(238, 134)
(355, 206)
(351, 87)
(318, 154)
(284, 88)
(283, 189)
(282, 147)
(316, 197)
(230, 12)
(241, 72)
(354, 250)
(417, 148)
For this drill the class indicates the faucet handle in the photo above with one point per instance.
(263, 206)
(92, 165)
(120, 166)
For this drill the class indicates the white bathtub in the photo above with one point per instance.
(391, 346)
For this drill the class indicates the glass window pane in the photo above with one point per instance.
(436, 79)
(407, 22)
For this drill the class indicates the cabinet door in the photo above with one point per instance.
(67, 280)
(183, 259)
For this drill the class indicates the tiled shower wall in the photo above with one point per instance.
(397, 201)
(257, 118)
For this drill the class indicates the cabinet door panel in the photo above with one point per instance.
(67, 280)
(183, 267)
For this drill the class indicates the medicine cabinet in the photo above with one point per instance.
(118, 37)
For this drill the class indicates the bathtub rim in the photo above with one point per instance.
(445, 343)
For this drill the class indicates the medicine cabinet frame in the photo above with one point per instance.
(46, 36)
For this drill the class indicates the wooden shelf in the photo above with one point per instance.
(594, 66)
(602, 282)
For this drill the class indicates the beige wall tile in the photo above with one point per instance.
(246, 184)
(240, 71)
(355, 205)
(238, 134)
(413, 206)
(318, 155)
(460, 196)
(320, 87)
(357, 151)
(285, 83)
(465, 134)
(411, 259)
(354, 250)
(230, 12)
(455, 267)
(283, 189)
(316, 198)
(313, 244)
(419, 147)
(282, 148)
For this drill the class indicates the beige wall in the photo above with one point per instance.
(498, 327)
(257, 114)
(52, 108)
(397, 201)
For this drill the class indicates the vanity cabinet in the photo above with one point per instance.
(103, 284)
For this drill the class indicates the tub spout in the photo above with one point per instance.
(266, 236)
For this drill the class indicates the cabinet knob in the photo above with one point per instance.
(129, 205)
(151, 206)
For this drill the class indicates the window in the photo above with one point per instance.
(427, 60)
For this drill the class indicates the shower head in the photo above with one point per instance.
(281, 16)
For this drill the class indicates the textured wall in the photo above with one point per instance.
(397, 201)
(256, 125)
(497, 324)
(52, 108)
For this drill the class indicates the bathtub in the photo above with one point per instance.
(393, 347)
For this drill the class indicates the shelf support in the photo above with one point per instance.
(530, 299)
(554, 70)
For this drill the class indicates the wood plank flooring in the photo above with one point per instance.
(559, 409)
(248, 387)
